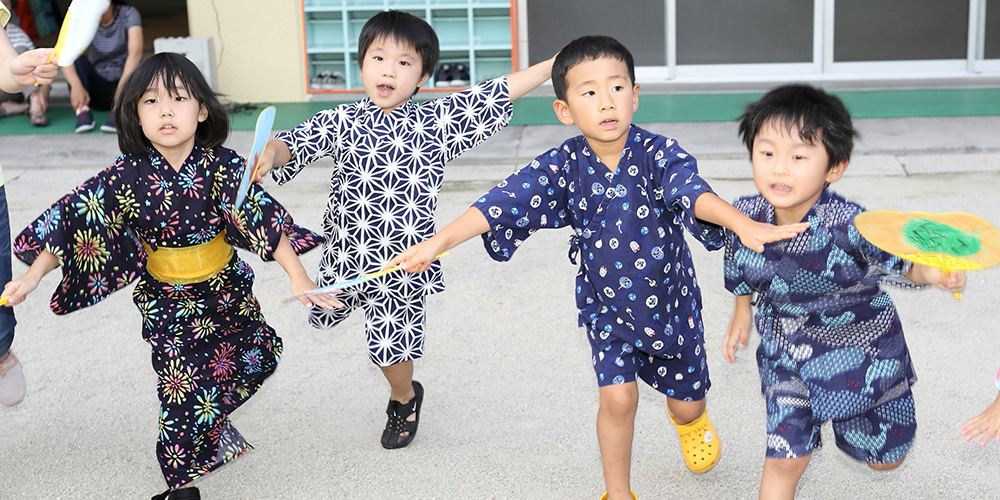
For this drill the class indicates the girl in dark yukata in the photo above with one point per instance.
(163, 213)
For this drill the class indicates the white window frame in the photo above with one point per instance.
(823, 67)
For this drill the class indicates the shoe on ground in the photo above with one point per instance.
(109, 126)
(84, 121)
(443, 75)
(605, 496)
(12, 384)
(460, 76)
(699, 443)
(35, 114)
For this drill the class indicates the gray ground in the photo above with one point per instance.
(511, 397)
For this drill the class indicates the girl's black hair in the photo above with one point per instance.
(804, 110)
(588, 48)
(166, 68)
(402, 27)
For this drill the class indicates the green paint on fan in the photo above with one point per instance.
(930, 236)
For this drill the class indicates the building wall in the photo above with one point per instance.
(258, 47)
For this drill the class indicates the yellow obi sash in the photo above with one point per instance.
(193, 264)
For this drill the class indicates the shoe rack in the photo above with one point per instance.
(473, 33)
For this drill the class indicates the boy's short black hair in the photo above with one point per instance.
(588, 48)
(402, 27)
(807, 110)
(164, 68)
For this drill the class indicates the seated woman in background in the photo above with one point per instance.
(94, 79)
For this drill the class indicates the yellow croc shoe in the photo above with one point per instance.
(605, 496)
(699, 443)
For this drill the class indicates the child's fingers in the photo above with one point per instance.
(398, 260)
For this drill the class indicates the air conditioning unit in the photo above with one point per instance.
(198, 50)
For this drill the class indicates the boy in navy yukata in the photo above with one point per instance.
(627, 194)
(389, 154)
(832, 345)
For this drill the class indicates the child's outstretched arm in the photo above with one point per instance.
(953, 281)
(986, 423)
(739, 327)
(418, 258)
(300, 282)
(524, 81)
(276, 152)
(17, 290)
(710, 208)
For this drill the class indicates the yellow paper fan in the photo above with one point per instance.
(953, 241)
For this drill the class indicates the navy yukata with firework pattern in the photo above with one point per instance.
(211, 348)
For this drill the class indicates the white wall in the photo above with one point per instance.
(259, 52)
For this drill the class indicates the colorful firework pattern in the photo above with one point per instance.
(211, 348)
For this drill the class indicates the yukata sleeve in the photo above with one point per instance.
(882, 266)
(469, 117)
(258, 224)
(680, 186)
(531, 199)
(313, 139)
(88, 232)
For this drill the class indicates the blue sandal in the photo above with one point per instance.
(397, 423)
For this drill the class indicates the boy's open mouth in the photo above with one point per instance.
(609, 123)
(385, 89)
(783, 188)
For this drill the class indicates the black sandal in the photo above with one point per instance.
(397, 423)
(191, 493)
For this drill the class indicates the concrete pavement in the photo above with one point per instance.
(511, 398)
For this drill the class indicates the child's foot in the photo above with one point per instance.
(605, 496)
(12, 384)
(190, 493)
(403, 419)
(699, 443)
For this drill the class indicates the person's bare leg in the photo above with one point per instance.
(781, 476)
(685, 411)
(615, 427)
(400, 378)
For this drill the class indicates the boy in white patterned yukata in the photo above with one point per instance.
(389, 155)
(832, 345)
(628, 194)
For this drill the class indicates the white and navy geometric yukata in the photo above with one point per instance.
(636, 289)
(387, 173)
(832, 346)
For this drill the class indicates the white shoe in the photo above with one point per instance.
(12, 384)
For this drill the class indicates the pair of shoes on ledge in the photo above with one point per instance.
(452, 75)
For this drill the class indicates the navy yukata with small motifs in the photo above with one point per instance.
(636, 281)
(832, 345)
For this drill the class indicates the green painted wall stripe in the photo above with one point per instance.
(653, 108)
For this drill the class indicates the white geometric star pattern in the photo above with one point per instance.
(388, 170)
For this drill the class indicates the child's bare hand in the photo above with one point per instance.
(264, 164)
(986, 423)
(17, 290)
(736, 337)
(953, 281)
(30, 68)
(327, 301)
(417, 258)
(755, 234)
